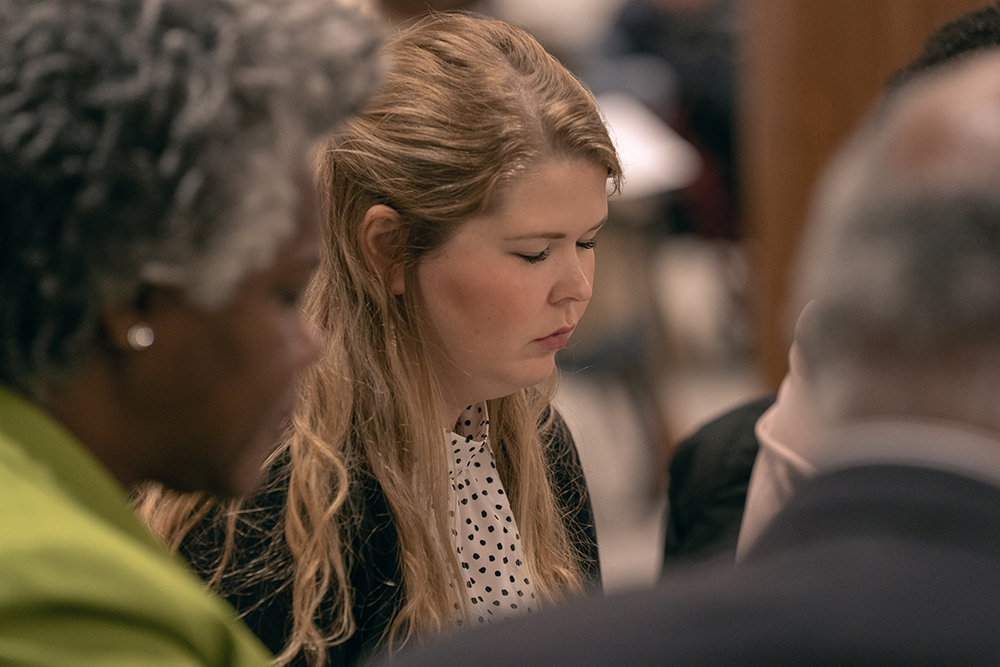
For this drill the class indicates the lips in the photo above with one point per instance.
(557, 339)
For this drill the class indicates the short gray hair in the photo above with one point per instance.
(151, 142)
(903, 257)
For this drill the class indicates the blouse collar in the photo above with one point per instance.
(473, 424)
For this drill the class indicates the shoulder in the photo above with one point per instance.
(709, 475)
(726, 444)
(256, 525)
(718, 457)
(572, 494)
(75, 589)
(815, 607)
(561, 455)
(832, 591)
(557, 439)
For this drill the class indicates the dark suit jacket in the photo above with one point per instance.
(875, 565)
(260, 588)
(709, 475)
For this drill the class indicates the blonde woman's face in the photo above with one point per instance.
(505, 292)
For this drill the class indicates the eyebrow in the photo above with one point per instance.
(552, 235)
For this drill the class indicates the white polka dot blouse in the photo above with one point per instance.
(483, 527)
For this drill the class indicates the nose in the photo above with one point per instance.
(576, 279)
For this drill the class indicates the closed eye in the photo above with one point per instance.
(534, 259)
(587, 245)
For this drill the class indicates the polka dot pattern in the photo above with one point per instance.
(483, 527)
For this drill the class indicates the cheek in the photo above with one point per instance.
(259, 351)
(589, 268)
(482, 301)
(280, 349)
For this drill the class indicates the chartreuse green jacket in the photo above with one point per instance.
(81, 580)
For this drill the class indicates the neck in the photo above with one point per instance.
(452, 406)
(450, 415)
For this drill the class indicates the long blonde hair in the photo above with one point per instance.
(469, 104)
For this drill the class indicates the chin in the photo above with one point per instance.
(241, 483)
(538, 376)
(514, 379)
(230, 480)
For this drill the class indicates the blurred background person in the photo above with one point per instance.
(679, 58)
(159, 225)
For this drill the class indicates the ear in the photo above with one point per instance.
(132, 326)
(382, 237)
(119, 321)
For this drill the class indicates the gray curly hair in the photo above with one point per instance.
(151, 142)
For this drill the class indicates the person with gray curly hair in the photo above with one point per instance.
(158, 224)
(891, 555)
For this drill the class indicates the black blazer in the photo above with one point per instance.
(709, 476)
(875, 565)
(264, 598)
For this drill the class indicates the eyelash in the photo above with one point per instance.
(534, 259)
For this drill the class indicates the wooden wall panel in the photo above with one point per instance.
(810, 71)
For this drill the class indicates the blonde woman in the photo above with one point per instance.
(426, 482)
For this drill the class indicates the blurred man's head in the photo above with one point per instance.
(903, 257)
(965, 36)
